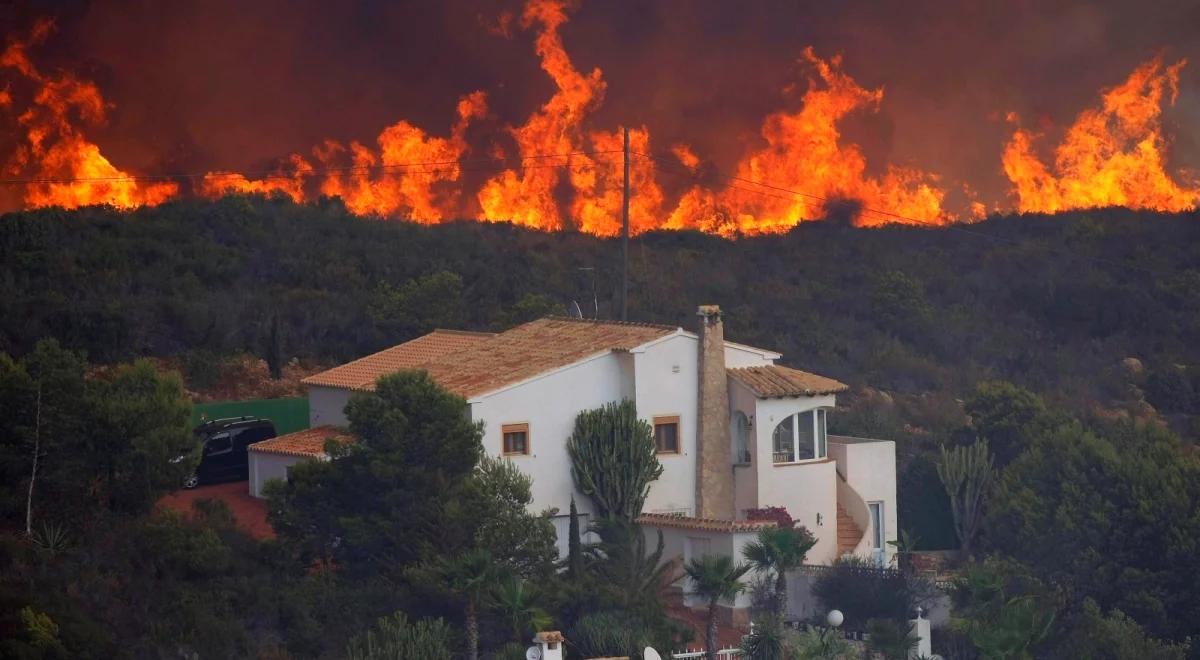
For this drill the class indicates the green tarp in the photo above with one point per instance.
(289, 415)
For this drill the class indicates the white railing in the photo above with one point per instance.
(723, 653)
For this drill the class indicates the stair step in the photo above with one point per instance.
(848, 533)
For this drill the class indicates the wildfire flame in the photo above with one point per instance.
(556, 171)
(1113, 155)
(63, 167)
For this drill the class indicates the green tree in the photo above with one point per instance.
(613, 459)
(515, 601)
(966, 473)
(1007, 416)
(145, 419)
(494, 514)
(574, 545)
(385, 499)
(419, 305)
(779, 550)
(714, 578)
(1003, 611)
(395, 638)
(891, 639)
(469, 576)
(1094, 635)
(1068, 508)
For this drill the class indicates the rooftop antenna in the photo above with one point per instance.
(574, 311)
(595, 298)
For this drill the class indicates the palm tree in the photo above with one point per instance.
(469, 576)
(514, 600)
(715, 578)
(779, 550)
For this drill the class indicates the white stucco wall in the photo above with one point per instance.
(665, 385)
(745, 477)
(869, 467)
(266, 466)
(682, 545)
(327, 405)
(549, 404)
(806, 489)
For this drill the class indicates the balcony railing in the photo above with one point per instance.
(785, 456)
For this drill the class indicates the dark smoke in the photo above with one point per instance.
(223, 84)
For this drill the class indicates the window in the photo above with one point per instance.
(739, 433)
(516, 439)
(666, 434)
(218, 444)
(785, 440)
(801, 437)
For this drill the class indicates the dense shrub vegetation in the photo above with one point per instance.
(1070, 344)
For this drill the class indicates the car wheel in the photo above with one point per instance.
(191, 482)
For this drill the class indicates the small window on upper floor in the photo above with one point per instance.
(516, 439)
(666, 434)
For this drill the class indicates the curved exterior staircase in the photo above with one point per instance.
(848, 533)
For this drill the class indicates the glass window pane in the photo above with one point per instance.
(822, 439)
(807, 441)
(666, 437)
(783, 440)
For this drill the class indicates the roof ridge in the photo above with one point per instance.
(468, 333)
(638, 324)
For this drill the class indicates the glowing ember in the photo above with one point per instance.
(1113, 155)
(66, 169)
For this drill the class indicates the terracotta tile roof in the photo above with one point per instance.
(309, 442)
(535, 348)
(470, 364)
(706, 524)
(362, 373)
(776, 381)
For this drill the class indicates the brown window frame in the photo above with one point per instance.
(505, 430)
(663, 420)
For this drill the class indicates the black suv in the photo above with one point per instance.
(224, 455)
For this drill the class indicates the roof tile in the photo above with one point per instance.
(362, 373)
(776, 381)
(470, 364)
(309, 442)
(707, 524)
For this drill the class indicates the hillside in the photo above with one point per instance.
(1056, 303)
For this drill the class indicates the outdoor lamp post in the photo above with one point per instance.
(834, 618)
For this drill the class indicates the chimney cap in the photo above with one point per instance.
(708, 310)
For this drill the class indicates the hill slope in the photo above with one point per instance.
(1054, 303)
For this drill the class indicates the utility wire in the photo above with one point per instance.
(501, 164)
(951, 226)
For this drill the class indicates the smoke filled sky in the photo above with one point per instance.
(208, 85)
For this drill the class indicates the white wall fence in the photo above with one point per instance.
(724, 654)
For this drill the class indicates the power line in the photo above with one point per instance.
(300, 173)
(951, 226)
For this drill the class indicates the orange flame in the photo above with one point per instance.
(805, 153)
(66, 169)
(1113, 155)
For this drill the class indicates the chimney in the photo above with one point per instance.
(714, 473)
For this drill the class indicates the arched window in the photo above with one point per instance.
(739, 433)
(800, 437)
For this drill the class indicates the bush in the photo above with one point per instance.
(863, 592)
(394, 638)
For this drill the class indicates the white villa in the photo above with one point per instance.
(735, 431)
